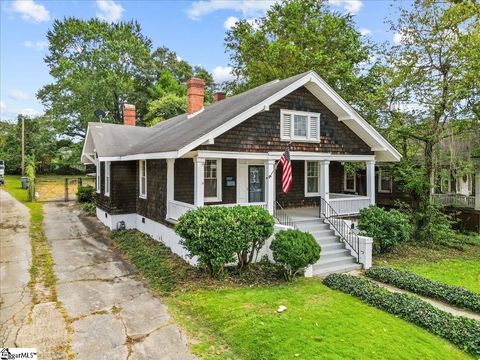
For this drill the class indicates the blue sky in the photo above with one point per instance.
(194, 29)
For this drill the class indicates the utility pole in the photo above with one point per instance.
(23, 146)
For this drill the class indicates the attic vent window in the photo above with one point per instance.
(299, 126)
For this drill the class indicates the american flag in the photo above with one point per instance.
(287, 171)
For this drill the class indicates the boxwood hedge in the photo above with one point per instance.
(461, 331)
(453, 295)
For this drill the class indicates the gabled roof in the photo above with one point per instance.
(177, 136)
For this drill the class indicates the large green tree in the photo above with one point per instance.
(433, 85)
(296, 36)
(95, 65)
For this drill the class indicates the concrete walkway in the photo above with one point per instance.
(15, 261)
(113, 314)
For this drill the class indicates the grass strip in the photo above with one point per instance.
(406, 280)
(461, 331)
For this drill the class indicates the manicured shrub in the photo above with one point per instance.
(461, 331)
(387, 228)
(210, 233)
(254, 225)
(85, 194)
(453, 295)
(294, 250)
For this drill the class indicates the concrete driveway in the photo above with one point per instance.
(113, 314)
(15, 262)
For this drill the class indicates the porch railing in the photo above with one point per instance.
(346, 234)
(454, 200)
(349, 205)
(282, 217)
(175, 209)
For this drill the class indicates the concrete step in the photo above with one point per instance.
(312, 226)
(337, 269)
(318, 234)
(332, 246)
(331, 254)
(334, 262)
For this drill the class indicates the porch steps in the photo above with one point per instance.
(334, 257)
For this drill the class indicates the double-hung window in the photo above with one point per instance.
(299, 126)
(107, 178)
(311, 178)
(98, 177)
(213, 180)
(384, 181)
(142, 169)
(349, 181)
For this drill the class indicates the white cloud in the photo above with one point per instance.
(18, 95)
(31, 11)
(365, 32)
(397, 38)
(246, 7)
(232, 20)
(3, 106)
(28, 112)
(352, 6)
(37, 45)
(109, 10)
(222, 73)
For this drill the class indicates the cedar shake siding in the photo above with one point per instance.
(123, 184)
(261, 133)
(296, 195)
(154, 206)
(184, 181)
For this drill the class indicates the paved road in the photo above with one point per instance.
(15, 261)
(114, 314)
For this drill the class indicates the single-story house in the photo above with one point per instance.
(222, 154)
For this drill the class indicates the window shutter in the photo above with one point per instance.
(314, 128)
(286, 126)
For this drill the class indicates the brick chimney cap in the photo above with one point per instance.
(129, 106)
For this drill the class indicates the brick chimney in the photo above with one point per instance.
(218, 96)
(129, 114)
(195, 95)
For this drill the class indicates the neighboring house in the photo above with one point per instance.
(222, 155)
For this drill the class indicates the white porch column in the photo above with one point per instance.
(270, 186)
(371, 181)
(477, 191)
(170, 183)
(199, 165)
(325, 180)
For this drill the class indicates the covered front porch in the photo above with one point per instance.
(210, 178)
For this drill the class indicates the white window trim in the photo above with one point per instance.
(108, 180)
(345, 182)
(217, 198)
(311, 194)
(98, 183)
(380, 190)
(292, 127)
(140, 195)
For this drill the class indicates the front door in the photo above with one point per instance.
(256, 183)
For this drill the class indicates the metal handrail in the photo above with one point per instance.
(346, 234)
(280, 214)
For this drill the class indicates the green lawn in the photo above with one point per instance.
(451, 266)
(319, 323)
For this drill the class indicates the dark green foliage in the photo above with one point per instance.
(453, 295)
(254, 226)
(150, 257)
(461, 331)
(89, 208)
(86, 194)
(215, 234)
(209, 233)
(387, 228)
(294, 250)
